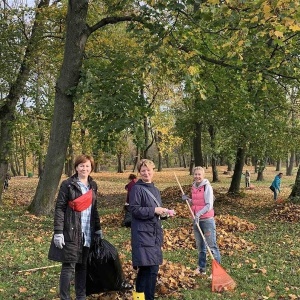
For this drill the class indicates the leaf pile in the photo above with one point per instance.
(181, 210)
(228, 242)
(233, 223)
(172, 277)
(173, 193)
(180, 238)
(183, 238)
(288, 212)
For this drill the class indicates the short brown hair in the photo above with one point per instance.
(132, 176)
(145, 162)
(82, 158)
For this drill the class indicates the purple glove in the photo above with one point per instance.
(197, 218)
(186, 197)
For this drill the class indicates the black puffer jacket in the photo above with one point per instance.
(68, 222)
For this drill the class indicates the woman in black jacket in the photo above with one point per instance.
(146, 231)
(76, 221)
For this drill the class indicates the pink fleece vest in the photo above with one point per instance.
(199, 202)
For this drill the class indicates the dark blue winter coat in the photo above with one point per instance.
(146, 229)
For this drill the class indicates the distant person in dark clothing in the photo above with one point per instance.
(6, 182)
(132, 180)
(275, 186)
(127, 213)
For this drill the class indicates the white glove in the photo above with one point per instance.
(59, 240)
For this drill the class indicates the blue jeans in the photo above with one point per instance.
(208, 228)
(146, 281)
(66, 273)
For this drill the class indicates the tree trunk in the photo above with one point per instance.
(158, 139)
(184, 161)
(289, 170)
(296, 188)
(12, 166)
(229, 166)
(69, 162)
(159, 167)
(136, 160)
(76, 37)
(238, 170)
(261, 165)
(278, 165)
(192, 164)
(212, 133)
(197, 145)
(179, 159)
(23, 154)
(120, 165)
(214, 169)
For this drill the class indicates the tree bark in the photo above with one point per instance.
(296, 188)
(76, 36)
(289, 170)
(120, 164)
(192, 164)
(212, 133)
(157, 138)
(197, 145)
(278, 165)
(238, 170)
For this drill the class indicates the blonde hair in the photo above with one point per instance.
(198, 169)
(145, 162)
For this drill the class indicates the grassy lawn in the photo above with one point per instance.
(259, 240)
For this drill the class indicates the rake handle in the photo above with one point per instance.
(188, 204)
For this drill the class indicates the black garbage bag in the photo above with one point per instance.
(104, 269)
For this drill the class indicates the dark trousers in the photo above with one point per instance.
(66, 273)
(146, 281)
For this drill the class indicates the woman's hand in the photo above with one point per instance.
(161, 211)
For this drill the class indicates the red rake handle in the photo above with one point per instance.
(188, 204)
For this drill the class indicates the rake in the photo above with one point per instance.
(221, 281)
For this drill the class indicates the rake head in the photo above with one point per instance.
(221, 281)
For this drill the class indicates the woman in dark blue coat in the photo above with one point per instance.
(146, 230)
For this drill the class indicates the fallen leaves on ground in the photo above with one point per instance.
(287, 212)
(233, 223)
(172, 277)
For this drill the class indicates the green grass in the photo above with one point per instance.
(271, 271)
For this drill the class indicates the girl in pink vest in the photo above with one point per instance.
(202, 206)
